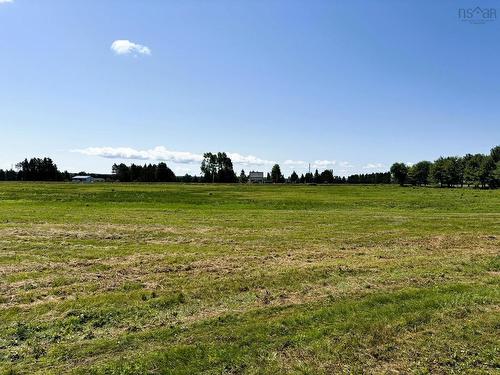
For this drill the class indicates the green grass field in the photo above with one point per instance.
(187, 279)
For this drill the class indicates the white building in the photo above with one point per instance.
(86, 179)
(256, 177)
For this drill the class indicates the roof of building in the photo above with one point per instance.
(81, 177)
(256, 174)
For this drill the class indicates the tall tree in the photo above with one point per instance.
(308, 178)
(399, 172)
(11, 175)
(209, 166)
(495, 174)
(225, 168)
(486, 172)
(121, 171)
(495, 154)
(419, 173)
(217, 168)
(164, 174)
(37, 169)
(243, 177)
(438, 171)
(294, 177)
(276, 173)
(472, 165)
(326, 176)
(316, 177)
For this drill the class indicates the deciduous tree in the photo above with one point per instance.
(399, 172)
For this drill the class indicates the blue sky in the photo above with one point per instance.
(348, 85)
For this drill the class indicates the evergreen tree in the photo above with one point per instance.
(276, 173)
(164, 174)
(326, 176)
(37, 169)
(243, 177)
(316, 178)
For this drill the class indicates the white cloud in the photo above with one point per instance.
(318, 164)
(324, 163)
(160, 153)
(6, 1)
(125, 47)
(248, 160)
(374, 166)
(314, 164)
(157, 153)
(295, 162)
(189, 161)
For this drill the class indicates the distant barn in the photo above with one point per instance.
(86, 179)
(256, 177)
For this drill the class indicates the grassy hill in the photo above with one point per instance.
(230, 279)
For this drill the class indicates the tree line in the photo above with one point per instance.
(35, 169)
(325, 177)
(143, 173)
(478, 170)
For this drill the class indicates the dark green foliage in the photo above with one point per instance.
(486, 171)
(308, 178)
(276, 175)
(37, 169)
(370, 178)
(448, 171)
(217, 168)
(316, 178)
(419, 173)
(495, 154)
(477, 170)
(399, 172)
(164, 173)
(145, 173)
(10, 175)
(243, 177)
(187, 178)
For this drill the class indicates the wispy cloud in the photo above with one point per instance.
(324, 163)
(295, 163)
(248, 159)
(189, 161)
(157, 153)
(125, 47)
(374, 166)
(6, 1)
(160, 153)
(318, 164)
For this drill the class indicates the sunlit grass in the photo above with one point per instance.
(171, 278)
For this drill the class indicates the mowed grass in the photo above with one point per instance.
(230, 279)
